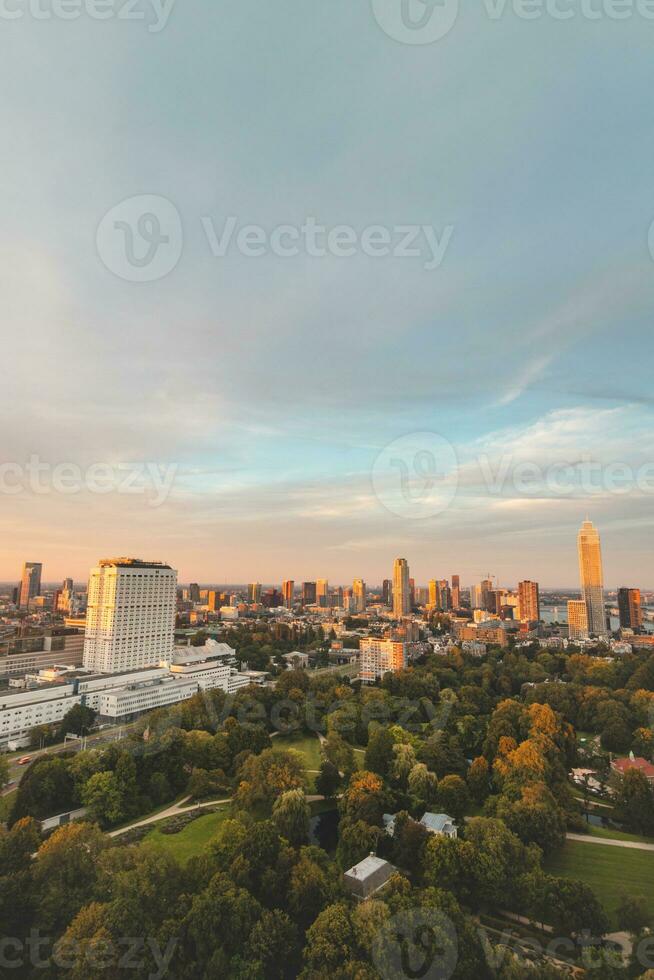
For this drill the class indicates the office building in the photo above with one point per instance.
(288, 588)
(401, 588)
(254, 592)
(308, 593)
(456, 592)
(30, 585)
(629, 609)
(322, 591)
(592, 577)
(130, 618)
(528, 601)
(378, 657)
(359, 595)
(387, 592)
(194, 592)
(577, 619)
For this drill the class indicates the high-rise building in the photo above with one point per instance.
(194, 592)
(528, 601)
(359, 595)
(214, 600)
(322, 591)
(412, 592)
(308, 593)
(30, 585)
(486, 597)
(271, 599)
(577, 620)
(288, 587)
(629, 609)
(387, 592)
(456, 592)
(254, 592)
(401, 588)
(378, 657)
(130, 619)
(592, 577)
(444, 596)
(433, 593)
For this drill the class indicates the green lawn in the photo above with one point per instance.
(6, 803)
(307, 745)
(192, 840)
(609, 871)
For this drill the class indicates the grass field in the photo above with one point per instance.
(609, 871)
(6, 803)
(192, 840)
(308, 747)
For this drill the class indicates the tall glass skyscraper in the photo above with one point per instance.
(401, 588)
(592, 577)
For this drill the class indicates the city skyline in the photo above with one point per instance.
(272, 384)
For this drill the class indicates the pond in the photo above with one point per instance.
(323, 830)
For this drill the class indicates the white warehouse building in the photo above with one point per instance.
(20, 711)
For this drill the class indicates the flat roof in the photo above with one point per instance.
(131, 563)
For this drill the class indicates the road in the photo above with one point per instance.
(611, 842)
(105, 737)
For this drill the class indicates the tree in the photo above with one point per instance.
(422, 786)
(87, 941)
(266, 776)
(356, 839)
(330, 941)
(273, 944)
(404, 761)
(453, 796)
(312, 885)
(4, 771)
(479, 779)
(534, 815)
(222, 915)
(379, 753)
(103, 800)
(328, 779)
(409, 841)
(47, 788)
(290, 815)
(18, 845)
(65, 872)
(634, 802)
(364, 799)
(340, 754)
(573, 907)
(78, 721)
(632, 913)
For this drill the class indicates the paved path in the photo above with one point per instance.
(180, 807)
(632, 844)
(172, 811)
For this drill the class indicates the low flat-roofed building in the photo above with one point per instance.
(128, 702)
(20, 711)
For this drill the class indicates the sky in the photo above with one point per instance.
(257, 415)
